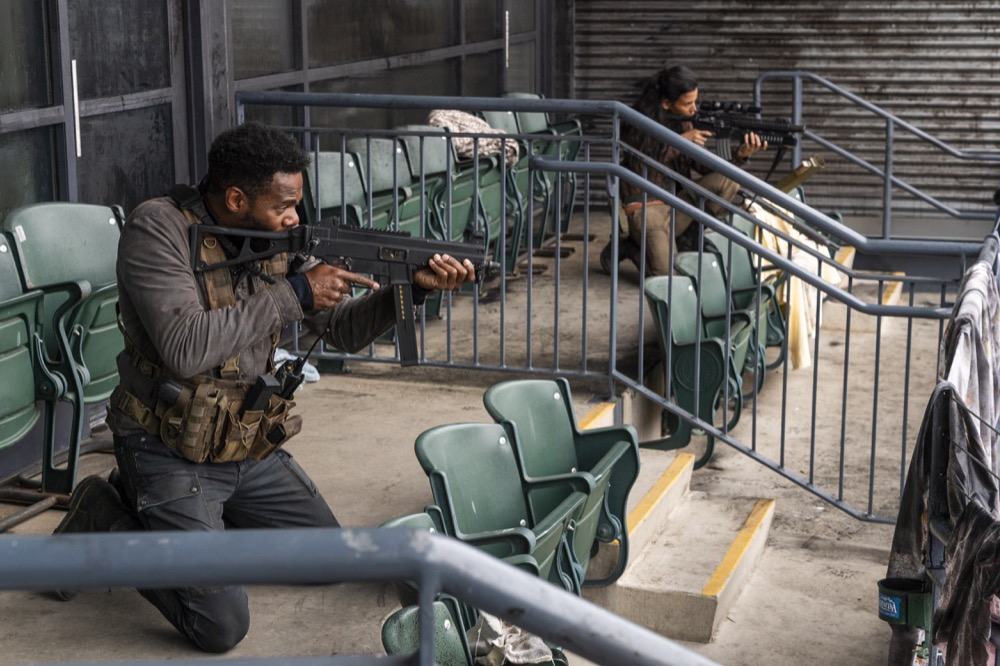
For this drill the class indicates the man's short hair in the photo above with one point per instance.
(249, 155)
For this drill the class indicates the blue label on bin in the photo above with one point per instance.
(888, 607)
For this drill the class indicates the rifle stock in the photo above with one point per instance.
(382, 253)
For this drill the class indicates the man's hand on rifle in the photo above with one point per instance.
(331, 284)
(444, 273)
(751, 144)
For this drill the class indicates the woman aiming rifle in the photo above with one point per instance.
(669, 97)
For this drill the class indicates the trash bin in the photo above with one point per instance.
(905, 601)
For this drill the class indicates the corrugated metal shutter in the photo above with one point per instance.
(934, 64)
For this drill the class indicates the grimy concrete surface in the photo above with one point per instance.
(812, 599)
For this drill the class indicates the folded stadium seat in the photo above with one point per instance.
(79, 324)
(473, 204)
(475, 480)
(752, 291)
(332, 188)
(401, 634)
(564, 145)
(602, 462)
(21, 356)
(389, 201)
(445, 193)
(432, 520)
(747, 328)
(518, 190)
(695, 366)
(432, 161)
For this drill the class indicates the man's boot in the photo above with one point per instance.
(94, 506)
(627, 249)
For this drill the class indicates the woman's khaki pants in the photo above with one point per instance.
(659, 241)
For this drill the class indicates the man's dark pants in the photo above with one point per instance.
(168, 492)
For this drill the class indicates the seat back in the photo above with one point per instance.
(501, 120)
(707, 274)
(333, 179)
(434, 156)
(737, 263)
(19, 313)
(382, 164)
(401, 635)
(474, 474)
(542, 416)
(677, 292)
(406, 590)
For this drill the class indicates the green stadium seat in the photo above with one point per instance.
(563, 145)
(69, 252)
(752, 291)
(401, 634)
(746, 328)
(332, 187)
(389, 200)
(475, 480)
(518, 187)
(696, 367)
(20, 354)
(431, 520)
(603, 462)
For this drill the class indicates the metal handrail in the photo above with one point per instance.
(438, 564)
(794, 211)
(618, 112)
(892, 122)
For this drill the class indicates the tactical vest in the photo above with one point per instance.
(202, 417)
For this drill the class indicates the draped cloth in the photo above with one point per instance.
(799, 299)
(953, 478)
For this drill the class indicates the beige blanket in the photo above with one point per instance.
(798, 300)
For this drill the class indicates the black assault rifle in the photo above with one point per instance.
(390, 254)
(730, 122)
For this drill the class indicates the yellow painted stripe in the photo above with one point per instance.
(753, 524)
(596, 414)
(892, 290)
(648, 503)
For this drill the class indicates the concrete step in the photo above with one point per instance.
(663, 483)
(683, 583)
(690, 554)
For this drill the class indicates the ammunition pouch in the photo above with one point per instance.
(206, 423)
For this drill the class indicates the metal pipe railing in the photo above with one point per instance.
(892, 123)
(438, 564)
(536, 358)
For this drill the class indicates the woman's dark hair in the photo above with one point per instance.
(668, 84)
(249, 155)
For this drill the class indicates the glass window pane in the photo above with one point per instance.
(263, 37)
(481, 21)
(121, 46)
(522, 15)
(481, 74)
(521, 74)
(438, 78)
(128, 157)
(25, 65)
(27, 161)
(349, 30)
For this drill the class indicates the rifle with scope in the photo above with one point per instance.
(729, 122)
